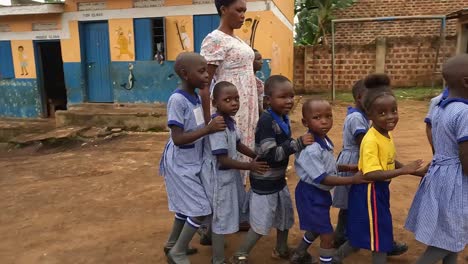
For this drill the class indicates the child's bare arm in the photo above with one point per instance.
(332, 180)
(381, 175)
(359, 139)
(259, 167)
(463, 154)
(179, 137)
(420, 172)
(246, 151)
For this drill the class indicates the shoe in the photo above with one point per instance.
(190, 250)
(239, 260)
(399, 248)
(305, 258)
(282, 255)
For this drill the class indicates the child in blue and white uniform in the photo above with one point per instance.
(220, 172)
(182, 158)
(317, 169)
(439, 214)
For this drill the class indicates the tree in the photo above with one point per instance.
(314, 19)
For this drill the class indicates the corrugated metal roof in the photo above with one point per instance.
(457, 14)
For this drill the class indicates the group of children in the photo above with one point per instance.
(203, 179)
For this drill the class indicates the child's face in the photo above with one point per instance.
(319, 117)
(384, 113)
(227, 102)
(196, 74)
(258, 62)
(281, 100)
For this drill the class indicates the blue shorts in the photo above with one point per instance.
(313, 207)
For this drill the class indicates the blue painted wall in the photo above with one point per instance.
(19, 98)
(74, 82)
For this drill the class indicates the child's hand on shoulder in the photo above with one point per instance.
(216, 124)
(259, 167)
(358, 178)
(307, 139)
(412, 167)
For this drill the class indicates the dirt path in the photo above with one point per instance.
(104, 203)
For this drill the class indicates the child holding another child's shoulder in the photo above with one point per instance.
(316, 167)
(270, 202)
(438, 216)
(182, 158)
(220, 171)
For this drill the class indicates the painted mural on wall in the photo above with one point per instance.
(121, 40)
(179, 35)
(249, 29)
(185, 40)
(23, 59)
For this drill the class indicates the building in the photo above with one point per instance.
(118, 51)
(462, 29)
(412, 53)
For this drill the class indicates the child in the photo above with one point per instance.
(23, 59)
(355, 127)
(438, 216)
(434, 103)
(182, 157)
(316, 167)
(257, 66)
(220, 170)
(270, 202)
(369, 219)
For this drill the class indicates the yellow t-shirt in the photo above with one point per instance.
(377, 152)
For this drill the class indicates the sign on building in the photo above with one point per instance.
(148, 3)
(5, 28)
(44, 26)
(203, 2)
(91, 6)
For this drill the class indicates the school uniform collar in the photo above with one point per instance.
(448, 101)
(325, 143)
(230, 122)
(193, 99)
(355, 110)
(282, 121)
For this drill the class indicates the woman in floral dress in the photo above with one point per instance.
(231, 59)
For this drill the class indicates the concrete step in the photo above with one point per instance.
(14, 127)
(56, 134)
(130, 117)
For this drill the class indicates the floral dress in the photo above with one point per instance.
(234, 59)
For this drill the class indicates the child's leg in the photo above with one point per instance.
(249, 242)
(450, 258)
(178, 252)
(179, 222)
(282, 241)
(326, 248)
(217, 248)
(340, 232)
(306, 241)
(343, 251)
(435, 254)
(379, 257)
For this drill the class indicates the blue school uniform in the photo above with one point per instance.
(435, 103)
(356, 124)
(439, 214)
(313, 199)
(181, 165)
(223, 186)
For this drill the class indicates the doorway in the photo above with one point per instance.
(96, 58)
(51, 78)
(202, 26)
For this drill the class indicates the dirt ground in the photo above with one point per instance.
(104, 202)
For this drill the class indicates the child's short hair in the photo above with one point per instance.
(185, 60)
(271, 82)
(377, 85)
(358, 88)
(309, 102)
(219, 87)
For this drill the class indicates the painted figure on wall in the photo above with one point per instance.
(183, 35)
(23, 60)
(123, 42)
(249, 29)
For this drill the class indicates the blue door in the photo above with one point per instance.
(97, 62)
(202, 26)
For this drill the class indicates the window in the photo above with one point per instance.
(6, 61)
(150, 39)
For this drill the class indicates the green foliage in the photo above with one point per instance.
(314, 19)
